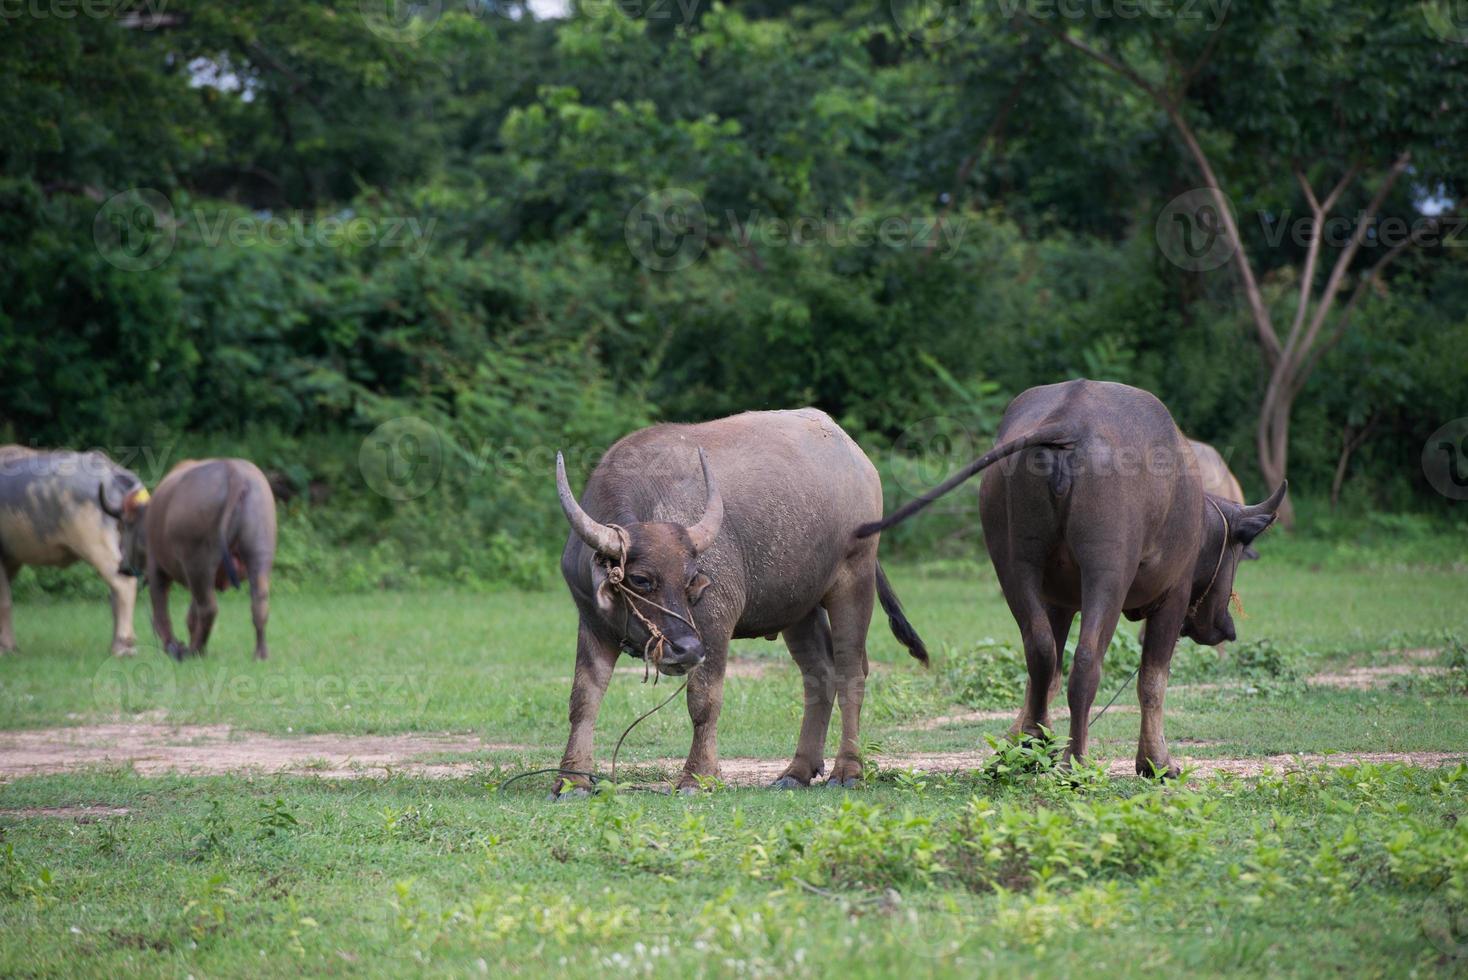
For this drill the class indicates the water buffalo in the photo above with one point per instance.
(209, 522)
(1098, 508)
(58, 507)
(1217, 478)
(688, 536)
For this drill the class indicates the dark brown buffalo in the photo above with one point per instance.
(741, 527)
(210, 523)
(1097, 508)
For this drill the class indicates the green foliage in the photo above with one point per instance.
(440, 219)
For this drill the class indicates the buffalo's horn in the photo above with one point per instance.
(116, 515)
(707, 528)
(1270, 506)
(600, 538)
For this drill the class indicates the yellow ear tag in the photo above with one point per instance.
(139, 496)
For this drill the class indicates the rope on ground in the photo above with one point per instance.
(1124, 683)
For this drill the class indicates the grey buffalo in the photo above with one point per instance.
(1098, 508)
(58, 507)
(688, 536)
(211, 523)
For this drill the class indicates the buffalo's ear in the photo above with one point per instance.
(601, 587)
(696, 587)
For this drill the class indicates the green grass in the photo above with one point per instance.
(252, 875)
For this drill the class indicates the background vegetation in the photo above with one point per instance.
(360, 218)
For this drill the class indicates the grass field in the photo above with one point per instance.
(320, 868)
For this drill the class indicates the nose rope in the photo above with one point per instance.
(1222, 550)
(657, 640)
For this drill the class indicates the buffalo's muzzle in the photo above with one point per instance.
(681, 655)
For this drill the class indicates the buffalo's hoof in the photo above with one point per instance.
(788, 782)
(177, 650)
(1147, 770)
(127, 651)
(849, 782)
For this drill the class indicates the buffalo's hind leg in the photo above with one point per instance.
(7, 631)
(257, 567)
(849, 605)
(203, 609)
(1101, 599)
(158, 586)
(810, 645)
(1043, 629)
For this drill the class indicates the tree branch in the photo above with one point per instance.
(1253, 295)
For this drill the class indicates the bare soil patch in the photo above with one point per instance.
(152, 749)
(84, 813)
(997, 714)
(758, 772)
(1365, 678)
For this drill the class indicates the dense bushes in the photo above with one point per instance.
(450, 228)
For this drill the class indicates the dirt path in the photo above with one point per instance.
(154, 749)
(757, 772)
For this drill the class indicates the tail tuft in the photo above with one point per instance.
(897, 619)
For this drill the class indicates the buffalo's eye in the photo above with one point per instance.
(639, 582)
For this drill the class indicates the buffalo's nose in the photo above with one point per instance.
(682, 655)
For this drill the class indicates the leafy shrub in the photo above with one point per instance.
(860, 844)
(987, 675)
(1015, 847)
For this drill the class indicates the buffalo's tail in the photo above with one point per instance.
(233, 496)
(1047, 436)
(897, 619)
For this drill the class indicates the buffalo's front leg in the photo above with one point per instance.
(1161, 634)
(810, 644)
(595, 659)
(705, 701)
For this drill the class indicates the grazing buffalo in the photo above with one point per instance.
(58, 507)
(210, 522)
(1098, 508)
(688, 536)
(1217, 478)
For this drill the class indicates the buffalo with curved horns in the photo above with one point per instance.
(689, 536)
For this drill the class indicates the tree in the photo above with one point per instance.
(1342, 99)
